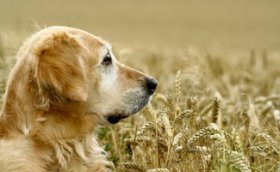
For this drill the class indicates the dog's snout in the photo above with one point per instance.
(151, 85)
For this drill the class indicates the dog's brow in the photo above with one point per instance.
(103, 51)
(109, 46)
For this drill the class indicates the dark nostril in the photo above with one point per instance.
(151, 85)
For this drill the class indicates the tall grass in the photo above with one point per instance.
(211, 112)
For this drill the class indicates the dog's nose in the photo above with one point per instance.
(151, 84)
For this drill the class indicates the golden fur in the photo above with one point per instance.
(56, 94)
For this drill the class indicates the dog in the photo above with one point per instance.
(65, 82)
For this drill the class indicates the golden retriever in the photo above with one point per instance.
(65, 82)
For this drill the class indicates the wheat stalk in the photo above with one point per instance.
(270, 141)
(216, 110)
(132, 166)
(207, 131)
(140, 139)
(158, 170)
(178, 86)
(149, 126)
(238, 160)
(166, 123)
(192, 106)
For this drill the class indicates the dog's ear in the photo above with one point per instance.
(58, 66)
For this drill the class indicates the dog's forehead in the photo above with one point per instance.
(91, 41)
(99, 44)
(96, 45)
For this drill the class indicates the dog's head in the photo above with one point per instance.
(75, 66)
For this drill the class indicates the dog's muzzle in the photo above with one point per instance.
(135, 101)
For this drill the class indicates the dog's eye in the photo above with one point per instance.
(107, 59)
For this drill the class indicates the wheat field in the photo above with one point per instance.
(217, 105)
(211, 112)
(217, 112)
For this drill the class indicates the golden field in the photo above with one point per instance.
(217, 106)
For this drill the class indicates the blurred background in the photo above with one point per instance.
(216, 61)
(167, 24)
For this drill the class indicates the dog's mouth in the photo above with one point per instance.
(134, 102)
(113, 119)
